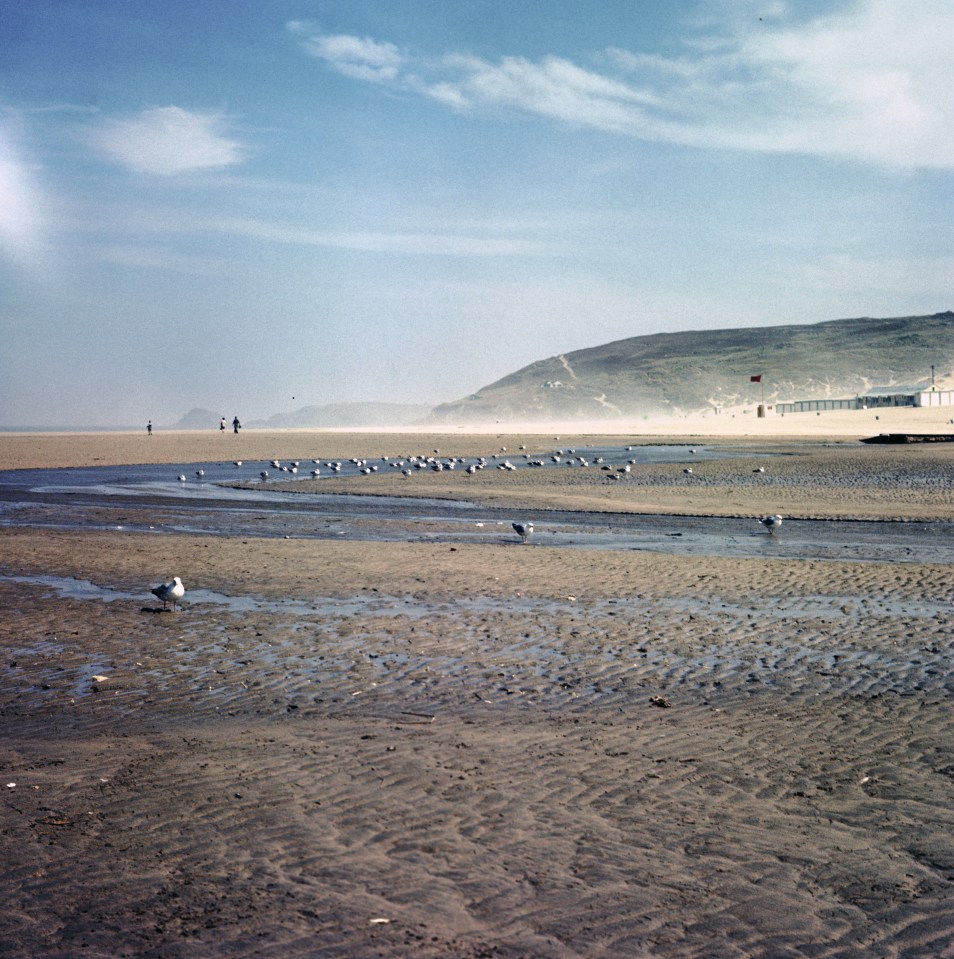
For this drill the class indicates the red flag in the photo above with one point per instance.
(756, 379)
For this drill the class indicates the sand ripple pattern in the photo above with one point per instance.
(489, 775)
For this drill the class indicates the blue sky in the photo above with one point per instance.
(254, 206)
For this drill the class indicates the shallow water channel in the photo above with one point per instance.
(154, 499)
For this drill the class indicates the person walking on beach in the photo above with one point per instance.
(222, 424)
(149, 427)
(236, 425)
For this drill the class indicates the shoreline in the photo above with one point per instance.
(91, 448)
(800, 477)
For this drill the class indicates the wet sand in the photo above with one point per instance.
(352, 749)
(796, 478)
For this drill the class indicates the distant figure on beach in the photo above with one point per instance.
(149, 427)
(222, 424)
(236, 425)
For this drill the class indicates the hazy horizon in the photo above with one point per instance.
(260, 206)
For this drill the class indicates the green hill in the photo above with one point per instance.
(672, 373)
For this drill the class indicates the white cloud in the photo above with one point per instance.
(361, 58)
(869, 83)
(168, 140)
(554, 87)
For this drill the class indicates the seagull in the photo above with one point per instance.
(771, 523)
(523, 530)
(200, 473)
(170, 592)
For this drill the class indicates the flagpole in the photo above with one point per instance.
(758, 379)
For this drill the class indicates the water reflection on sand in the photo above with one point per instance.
(149, 498)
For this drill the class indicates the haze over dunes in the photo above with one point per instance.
(331, 416)
(668, 374)
(697, 371)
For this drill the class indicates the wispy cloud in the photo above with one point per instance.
(358, 57)
(434, 242)
(168, 140)
(870, 83)
(146, 240)
(553, 87)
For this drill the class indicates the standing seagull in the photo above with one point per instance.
(771, 523)
(170, 592)
(523, 530)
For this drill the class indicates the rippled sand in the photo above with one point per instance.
(345, 749)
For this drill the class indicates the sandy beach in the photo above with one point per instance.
(349, 748)
(44, 450)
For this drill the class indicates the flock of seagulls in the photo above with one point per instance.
(173, 591)
(434, 462)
